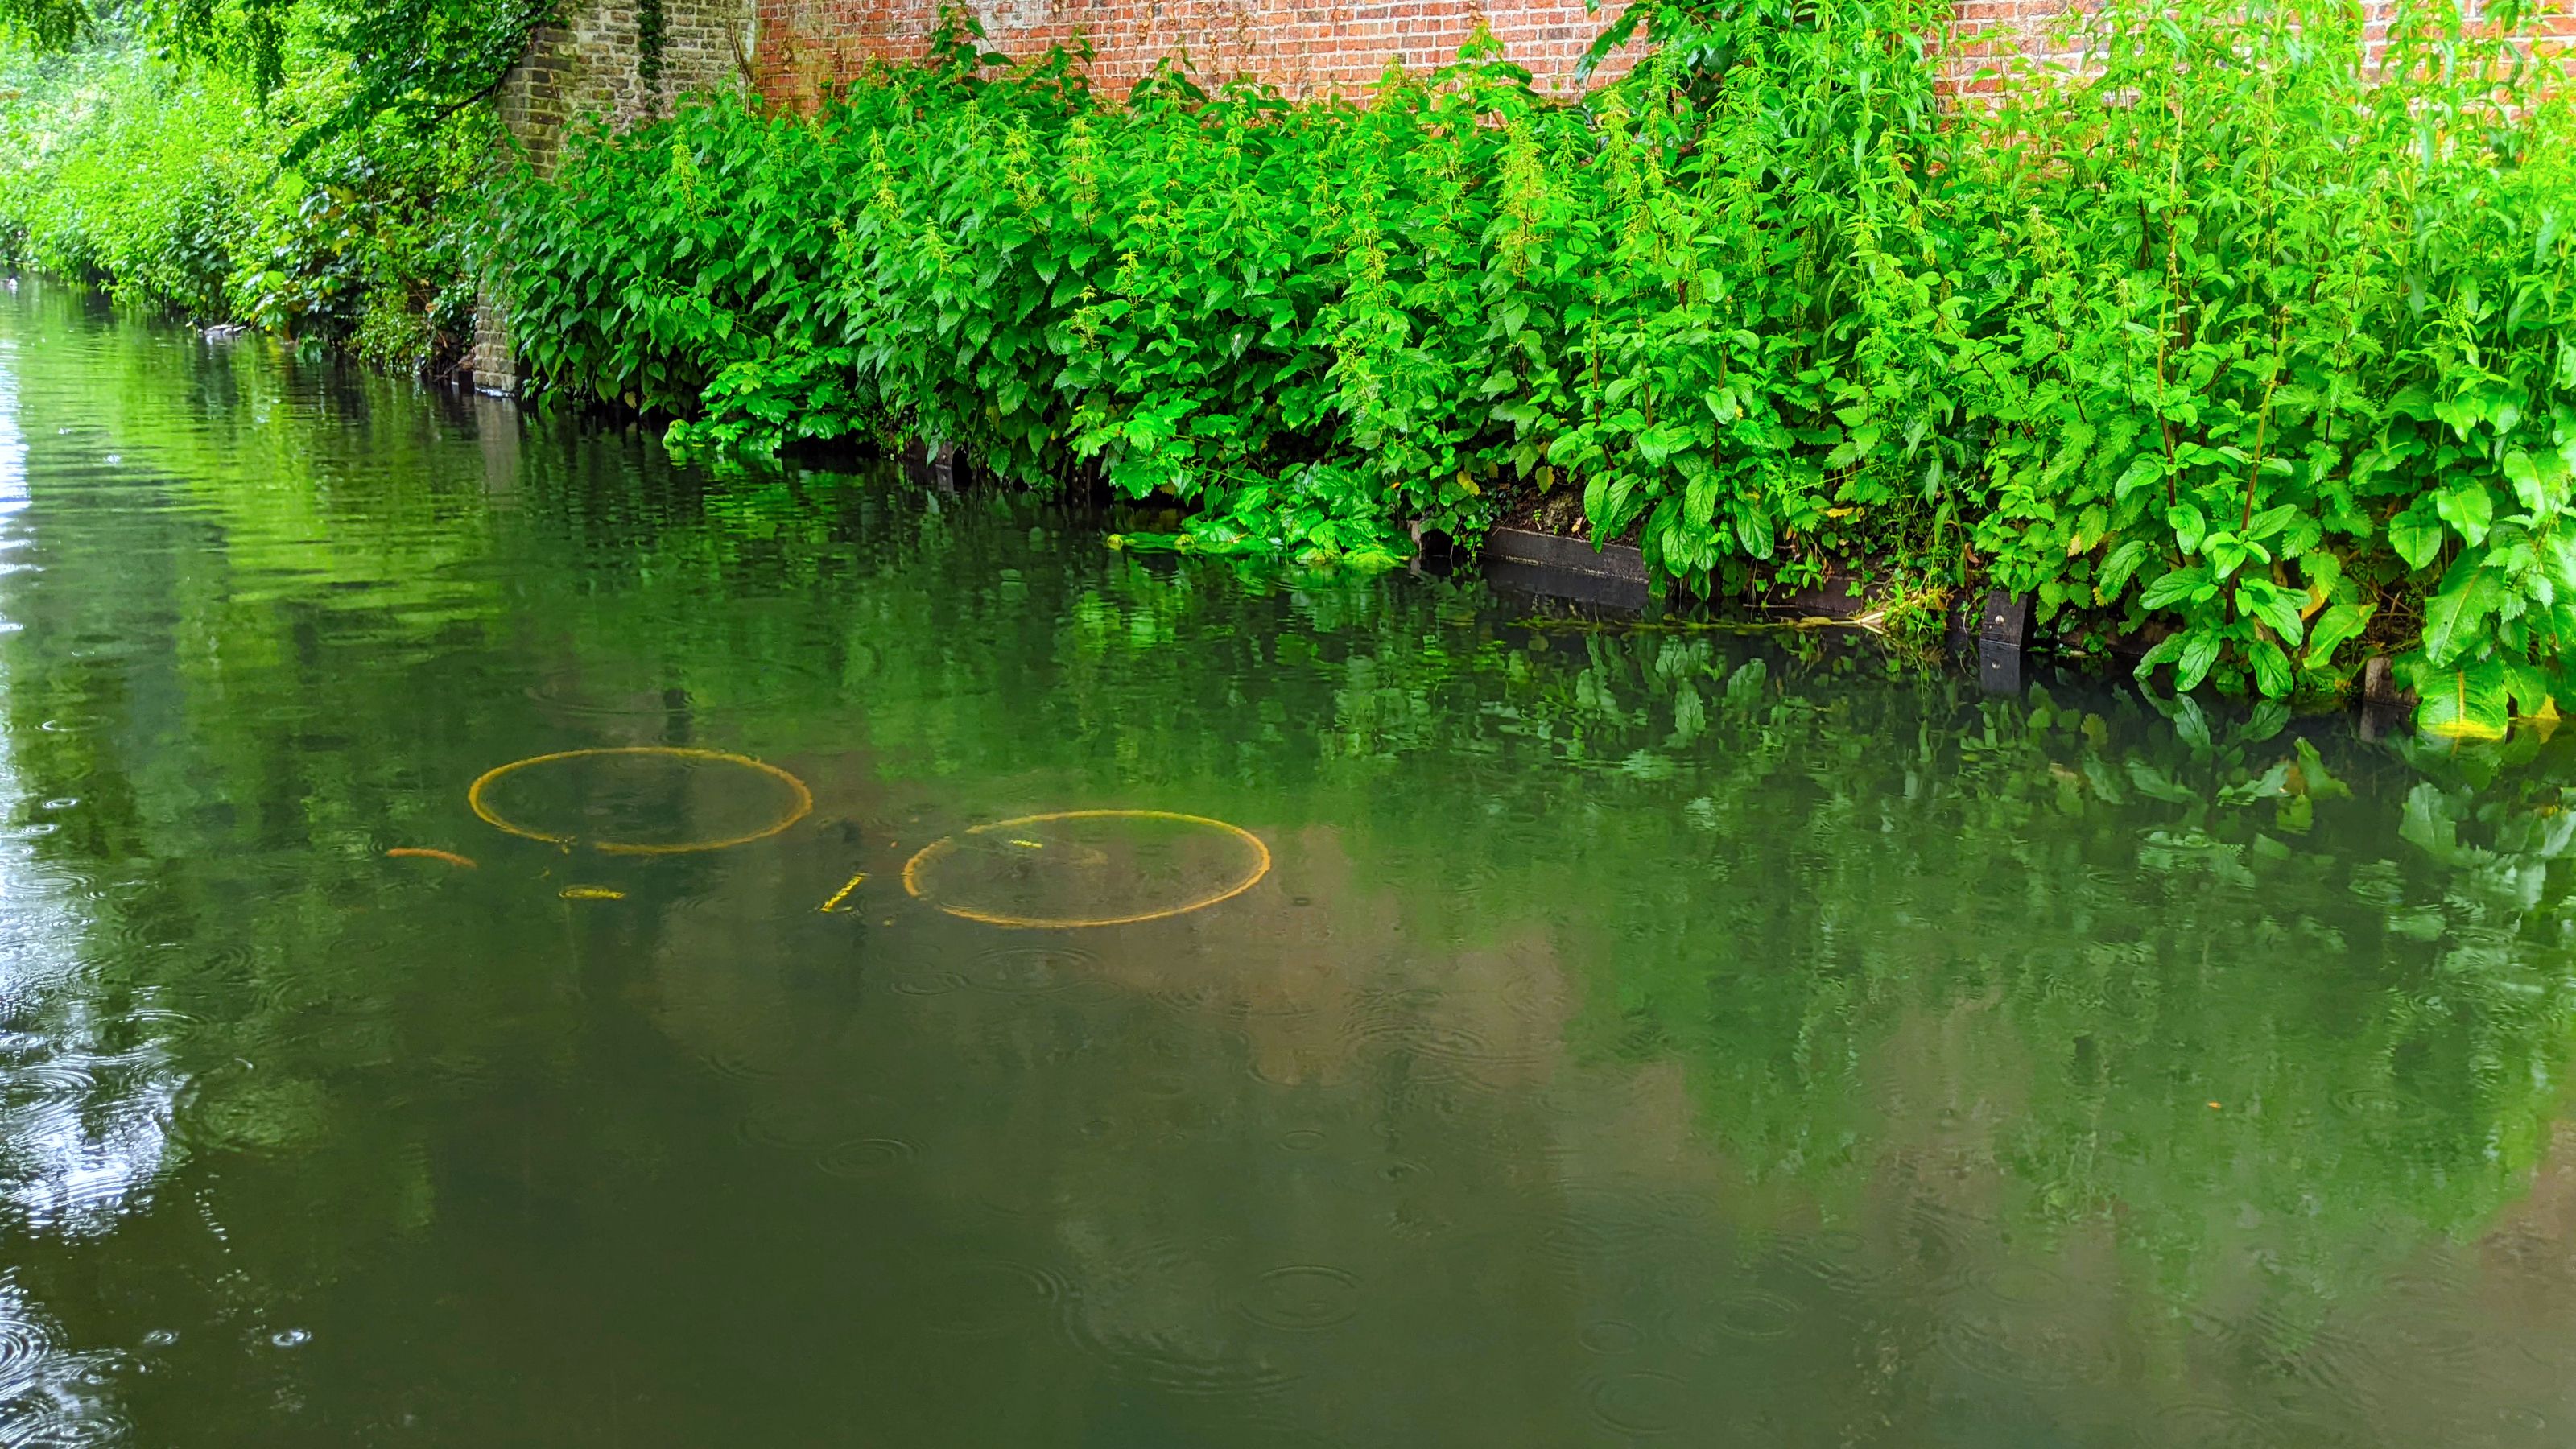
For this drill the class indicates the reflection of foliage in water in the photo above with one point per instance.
(2132, 912)
(2133, 921)
(1820, 889)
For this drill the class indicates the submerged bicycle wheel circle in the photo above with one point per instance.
(1087, 868)
(640, 799)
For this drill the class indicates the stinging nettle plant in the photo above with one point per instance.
(2242, 333)
(2288, 347)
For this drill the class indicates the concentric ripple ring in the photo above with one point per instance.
(801, 800)
(1260, 863)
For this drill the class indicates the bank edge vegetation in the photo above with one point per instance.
(2250, 335)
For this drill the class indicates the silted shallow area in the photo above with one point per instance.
(1632, 1035)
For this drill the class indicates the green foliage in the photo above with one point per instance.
(1310, 324)
(2270, 357)
(302, 167)
(1815, 895)
(165, 183)
(2281, 342)
(1158, 295)
(410, 66)
(408, 63)
(43, 24)
(114, 172)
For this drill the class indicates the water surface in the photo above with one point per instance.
(1637, 1034)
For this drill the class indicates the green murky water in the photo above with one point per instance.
(1636, 1036)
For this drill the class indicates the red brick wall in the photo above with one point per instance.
(587, 64)
(790, 49)
(1984, 33)
(1307, 49)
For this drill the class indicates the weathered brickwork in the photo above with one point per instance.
(791, 50)
(587, 67)
(494, 365)
(1306, 49)
(1986, 33)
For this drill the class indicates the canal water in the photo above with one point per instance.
(506, 939)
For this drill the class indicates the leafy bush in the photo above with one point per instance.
(2235, 332)
(2249, 334)
(1299, 320)
(2276, 347)
(165, 183)
(116, 175)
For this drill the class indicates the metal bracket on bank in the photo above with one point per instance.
(1995, 628)
(931, 464)
(1529, 562)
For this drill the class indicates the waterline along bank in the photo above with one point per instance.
(1567, 1034)
(2247, 338)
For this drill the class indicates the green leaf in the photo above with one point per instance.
(2199, 651)
(2462, 703)
(2462, 413)
(2144, 469)
(2226, 553)
(2453, 617)
(2337, 624)
(2189, 526)
(2272, 520)
(2468, 507)
(2322, 571)
(2271, 669)
(2524, 475)
(2417, 533)
(1753, 530)
(2117, 569)
(2275, 606)
(2526, 686)
(2176, 586)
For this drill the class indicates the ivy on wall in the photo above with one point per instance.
(651, 32)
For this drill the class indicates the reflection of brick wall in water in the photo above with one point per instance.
(1306, 49)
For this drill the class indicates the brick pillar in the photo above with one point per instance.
(527, 126)
(495, 365)
(585, 65)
